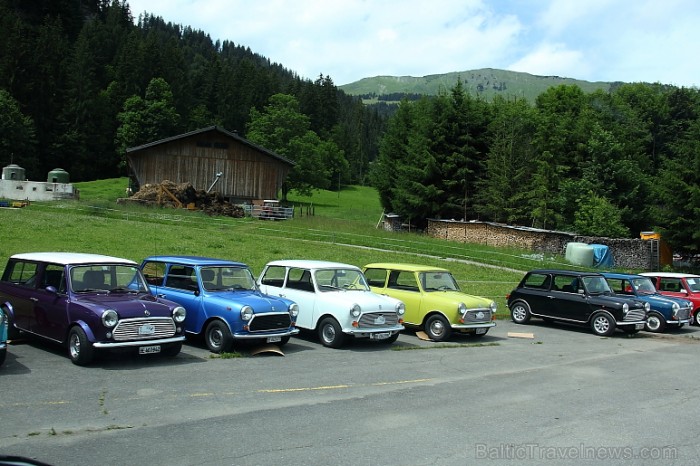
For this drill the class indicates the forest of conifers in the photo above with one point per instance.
(80, 82)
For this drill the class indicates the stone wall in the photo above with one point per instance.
(627, 253)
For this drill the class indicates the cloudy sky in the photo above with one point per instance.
(593, 40)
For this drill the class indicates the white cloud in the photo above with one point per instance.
(606, 40)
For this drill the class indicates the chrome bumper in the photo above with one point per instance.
(121, 344)
(248, 335)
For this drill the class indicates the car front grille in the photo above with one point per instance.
(265, 322)
(635, 315)
(378, 319)
(683, 313)
(144, 329)
(475, 316)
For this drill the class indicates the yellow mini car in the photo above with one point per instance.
(434, 302)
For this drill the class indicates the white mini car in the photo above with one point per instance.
(334, 300)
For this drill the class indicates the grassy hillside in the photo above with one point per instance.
(485, 82)
(342, 228)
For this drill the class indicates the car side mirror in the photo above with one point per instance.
(51, 289)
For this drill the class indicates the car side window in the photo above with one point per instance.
(565, 283)
(405, 281)
(300, 279)
(181, 277)
(537, 280)
(154, 272)
(671, 284)
(23, 273)
(53, 276)
(274, 276)
(376, 277)
(618, 286)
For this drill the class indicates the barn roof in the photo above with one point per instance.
(206, 130)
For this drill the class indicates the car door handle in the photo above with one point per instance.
(34, 299)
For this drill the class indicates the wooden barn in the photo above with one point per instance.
(247, 171)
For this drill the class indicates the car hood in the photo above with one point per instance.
(656, 300)
(261, 303)
(471, 301)
(128, 305)
(366, 299)
(615, 301)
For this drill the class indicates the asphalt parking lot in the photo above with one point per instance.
(562, 397)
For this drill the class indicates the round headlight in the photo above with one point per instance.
(625, 308)
(461, 308)
(676, 307)
(110, 318)
(647, 307)
(400, 308)
(355, 311)
(294, 309)
(246, 313)
(179, 314)
(493, 306)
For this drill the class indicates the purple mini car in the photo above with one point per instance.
(88, 302)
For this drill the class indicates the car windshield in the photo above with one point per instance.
(107, 278)
(643, 286)
(596, 284)
(227, 278)
(693, 284)
(438, 281)
(335, 279)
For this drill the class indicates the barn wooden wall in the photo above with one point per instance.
(247, 173)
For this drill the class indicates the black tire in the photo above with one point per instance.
(602, 324)
(218, 337)
(520, 312)
(330, 333)
(12, 332)
(437, 328)
(172, 350)
(3, 354)
(284, 341)
(655, 323)
(696, 317)
(391, 339)
(80, 350)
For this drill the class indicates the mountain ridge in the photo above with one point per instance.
(484, 82)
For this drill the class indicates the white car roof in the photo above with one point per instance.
(670, 274)
(311, 264)
(70, 258)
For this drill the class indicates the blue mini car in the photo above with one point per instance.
(222, 300)
(665, 311)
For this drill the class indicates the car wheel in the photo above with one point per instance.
(330, 333)
(391, 339)
(520, 312)
(282, 342)
(218, 337)
(12, 332)
(438, 328)
(173, 350)
(80, 350)
(696, 317)
(602, 324)
(655, 323)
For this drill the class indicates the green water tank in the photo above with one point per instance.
(58, 175)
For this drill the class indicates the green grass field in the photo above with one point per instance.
(339, 226)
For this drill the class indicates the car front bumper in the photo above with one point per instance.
(468, 326)
(249, 335)
(122, 344)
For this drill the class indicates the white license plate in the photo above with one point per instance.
(638, 326)
(149, 349)
(479, 331)
(379, 336)
(273, 339)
